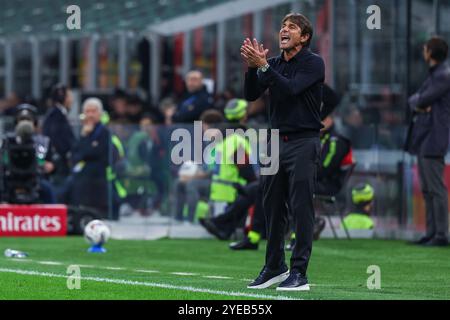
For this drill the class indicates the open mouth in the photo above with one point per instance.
(285, 39)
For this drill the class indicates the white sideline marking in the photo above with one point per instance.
(217, 277)
(21, 260)
(150, 284)
(138, 270)
(184, 273)
(86, 266)
(113, 268)
(146, 271)
(50, 263)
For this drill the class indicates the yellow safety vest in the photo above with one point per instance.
(222, 189)
(358, 221)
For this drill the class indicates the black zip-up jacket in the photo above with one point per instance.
(295, 88)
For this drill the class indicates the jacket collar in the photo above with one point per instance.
(61, 108)
(304, 51)
(439, 66)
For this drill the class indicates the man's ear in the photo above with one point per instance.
(304, 38)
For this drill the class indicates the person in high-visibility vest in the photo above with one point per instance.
(359, 217)
(232, 173)
(231, 166)
(194, 180)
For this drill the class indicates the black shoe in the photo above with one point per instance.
(290, 245)
(213, 229)
(295, 282)
(244, 244)
(437, 242)
(421, 241)
(268, 278)
(319, 225)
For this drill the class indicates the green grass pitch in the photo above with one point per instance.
(207, 269)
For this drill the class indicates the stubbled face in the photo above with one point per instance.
(290, 36)
(91, 114)
(194, 81)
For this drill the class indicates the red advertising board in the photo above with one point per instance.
(33, 220)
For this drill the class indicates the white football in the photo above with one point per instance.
(96, 232)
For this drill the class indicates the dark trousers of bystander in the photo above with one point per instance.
(431, 173)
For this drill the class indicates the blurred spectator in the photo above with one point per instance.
(134, 109)
(146, 166)
(56, 126)
(167, 107)
(195, 181)
(257, 112)
(390, 131)
(362, 201)
(222, 98)
(88, 184)
(195, 102)
(337, 155)
(116, 169)
(354, 118)
(353, 128)
(155, 155)
(228, 179)
(119, 107)
(8, 105)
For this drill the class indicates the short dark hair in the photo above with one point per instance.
(303, 23)
(59, 93)
(120, 94)
(438, 48)
(212, 117)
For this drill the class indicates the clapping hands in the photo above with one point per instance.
(254, 53)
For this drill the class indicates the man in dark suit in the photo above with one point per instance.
(429, 140)
(56, 126)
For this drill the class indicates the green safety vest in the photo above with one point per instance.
(331, 151)
(222, 189)
(358, 221)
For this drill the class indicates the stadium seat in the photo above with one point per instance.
(104, 17)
